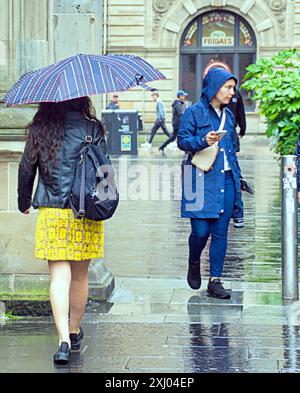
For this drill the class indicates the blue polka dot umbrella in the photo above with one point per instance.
(82, 75)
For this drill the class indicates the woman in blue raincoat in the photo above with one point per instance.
(210, 199)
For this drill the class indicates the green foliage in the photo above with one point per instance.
(9, 315)
(276, 86)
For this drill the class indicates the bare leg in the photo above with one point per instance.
(79, 291)
(60, 275)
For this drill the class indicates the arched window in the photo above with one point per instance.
(218, 38)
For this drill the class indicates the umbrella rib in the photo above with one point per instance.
(129, 67)
(56, 76)
(126, 84)
(115, 70)
(83, 75)
(75, 79)
(59, 75)
(92, 73)
(39, 77)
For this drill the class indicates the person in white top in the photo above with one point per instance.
(212, 202)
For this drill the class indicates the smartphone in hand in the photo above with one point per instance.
(221, 133)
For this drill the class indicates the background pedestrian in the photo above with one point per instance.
(178, 108)
(236, 106)
(160, 121)
(114, 103)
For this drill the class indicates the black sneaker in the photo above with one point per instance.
(76, 339)
(215, 289)
(238, 222)
(162, 152)
(63, 354)
(194, 275)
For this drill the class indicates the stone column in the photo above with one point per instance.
(78, 28)
(29, 34)
(24, 45)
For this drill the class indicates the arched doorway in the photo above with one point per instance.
(216, 38)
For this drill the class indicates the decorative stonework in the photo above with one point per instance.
(279, 8)
(160, 7)
(277, 5)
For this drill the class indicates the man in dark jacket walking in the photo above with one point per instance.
(236, 105)
(178, 107)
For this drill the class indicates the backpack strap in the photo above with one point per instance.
(81, 212)
(89, 132)
(88, 140)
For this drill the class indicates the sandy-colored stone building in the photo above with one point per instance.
(184, 38)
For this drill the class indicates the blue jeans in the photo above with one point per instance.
(217, 228)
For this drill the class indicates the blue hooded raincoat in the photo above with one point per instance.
(197, 121)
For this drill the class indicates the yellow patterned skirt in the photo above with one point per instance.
(61, 237)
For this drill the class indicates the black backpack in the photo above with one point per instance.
(94, 194)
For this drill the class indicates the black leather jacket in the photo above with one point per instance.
(55, 192)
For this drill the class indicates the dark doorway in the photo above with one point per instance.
(218, 38)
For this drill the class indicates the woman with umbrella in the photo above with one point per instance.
(55, 137)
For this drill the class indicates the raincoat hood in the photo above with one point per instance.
(213, 81)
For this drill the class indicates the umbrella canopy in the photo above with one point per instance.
(80, 76)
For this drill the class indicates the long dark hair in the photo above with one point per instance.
(46, 131)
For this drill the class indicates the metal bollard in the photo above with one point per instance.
(289, 229)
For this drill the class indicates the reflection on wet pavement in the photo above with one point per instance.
(153, 322)
(156, 347)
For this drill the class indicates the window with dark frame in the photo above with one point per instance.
(217, 38)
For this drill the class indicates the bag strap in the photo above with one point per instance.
(221, 127)
(82, 187)
(89, 132)
(223, 120)
(88, 140)
(81, 212)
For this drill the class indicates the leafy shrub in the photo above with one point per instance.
(276, 86)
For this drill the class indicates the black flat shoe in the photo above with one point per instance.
(194, 276)
(76, 339)
(216, 289)
(63, 354)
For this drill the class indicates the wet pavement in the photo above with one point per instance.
(153, 322)
(159, 325)
(160, 236)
